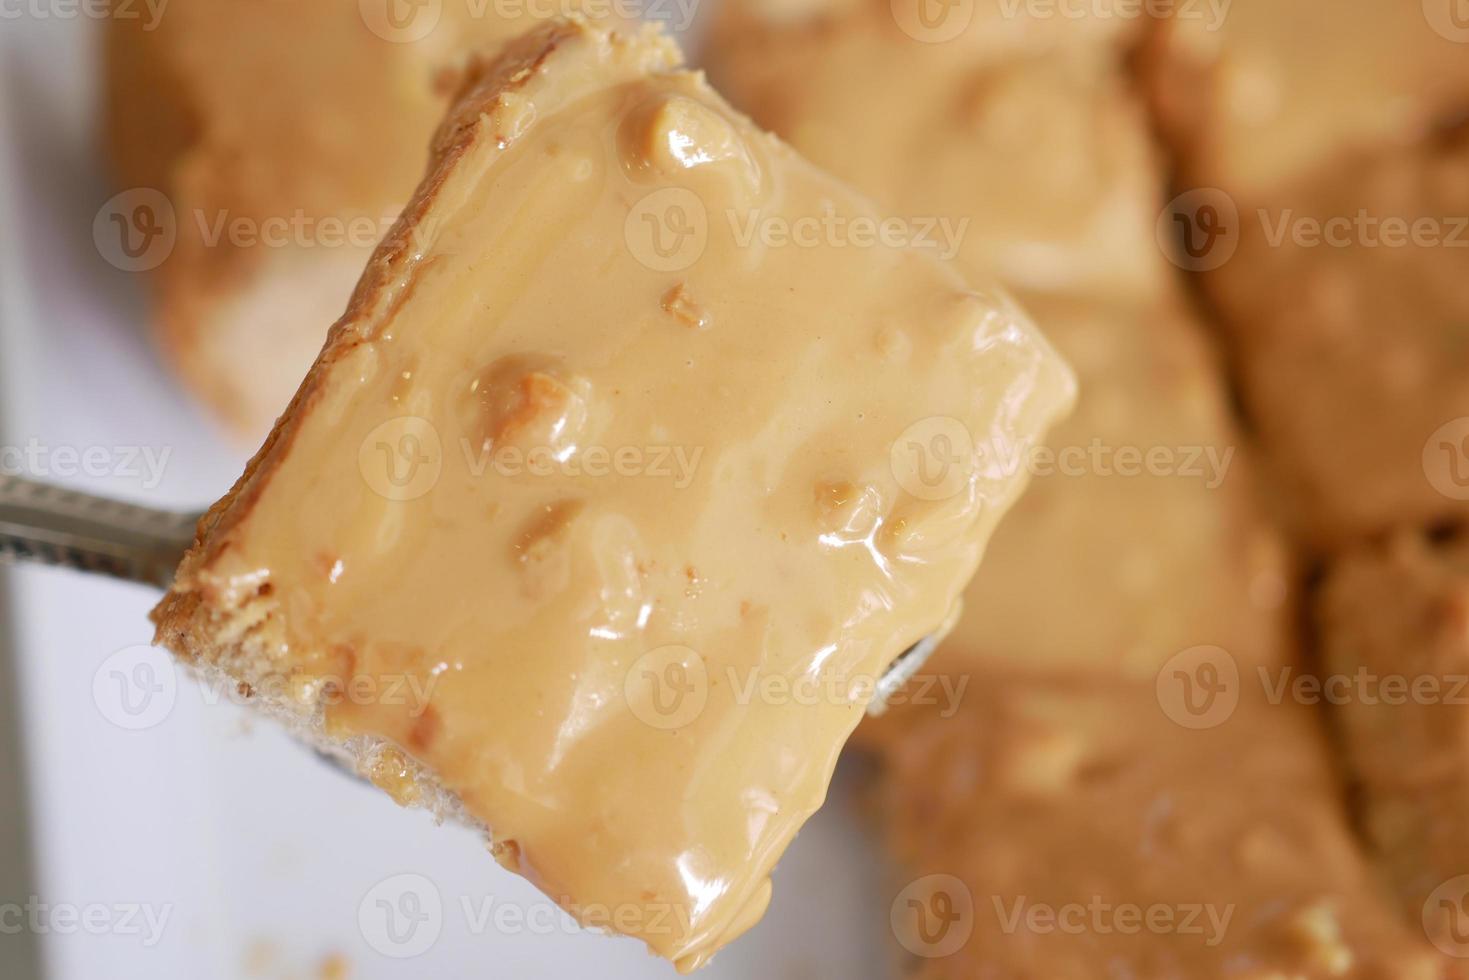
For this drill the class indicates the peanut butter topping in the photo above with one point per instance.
(643, 495)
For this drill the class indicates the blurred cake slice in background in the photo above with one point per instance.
(278, 141)
(1345, 300)
(1071, 829)
(1322, 171)
(1270, 93)
(1141, 535)
(1035, 153)
(1091, 778)
(1394, 624)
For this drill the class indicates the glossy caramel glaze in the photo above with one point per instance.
(640, 673)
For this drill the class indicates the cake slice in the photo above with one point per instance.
(1072, 829)
(1036, 155)
(1394, 623)
(1347, 309)
(1246, 112)
(627, 471)
(1147, 501)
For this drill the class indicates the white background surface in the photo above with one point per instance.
(259, 854)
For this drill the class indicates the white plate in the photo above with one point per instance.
(257, 856)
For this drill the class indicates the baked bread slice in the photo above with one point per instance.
(285, 138)
(640, 459)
